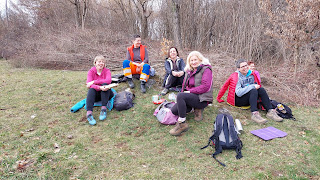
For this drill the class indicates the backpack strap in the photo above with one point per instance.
(219, 124)
(215, 135)
(218, 161)
(234, 136)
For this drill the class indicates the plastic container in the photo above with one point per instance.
(172, 97)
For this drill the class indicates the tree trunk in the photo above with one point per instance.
(7, 15)
(296, 58)
(176, 23)
(78, 13)
(193, 35)
(84, 13)
(144, 23)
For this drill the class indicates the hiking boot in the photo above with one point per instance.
(179, 128)
(130, 82)
(198, 114)
(178, 89)
(143, 87)
(103, 114)
(164, 91)
(91, 120)
(272, 114)
(257, 118)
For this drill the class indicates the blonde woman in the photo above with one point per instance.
(196, 91)
(97, 77)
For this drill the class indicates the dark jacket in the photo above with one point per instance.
(168, 65)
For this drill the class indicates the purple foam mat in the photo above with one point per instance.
(268, 133)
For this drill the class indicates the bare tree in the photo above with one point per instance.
(144, 12)
(295, 23)
(81, 10)
(176, 22)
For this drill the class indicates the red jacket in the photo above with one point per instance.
(231, 82)
(142, 52)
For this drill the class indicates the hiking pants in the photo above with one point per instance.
(185, 103)
(252, 97)
(95, 96)
(173, 81)
(129, 68)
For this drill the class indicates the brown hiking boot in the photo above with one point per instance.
(257, 118)
(272, 114)
(198, 114)
(179, 128)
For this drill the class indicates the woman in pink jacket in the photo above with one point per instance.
(97, 77)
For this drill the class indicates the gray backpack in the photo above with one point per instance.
(224, 136)
(164, 114)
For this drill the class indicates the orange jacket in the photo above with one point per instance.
(142, 52)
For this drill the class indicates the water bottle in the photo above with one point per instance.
(238, 125)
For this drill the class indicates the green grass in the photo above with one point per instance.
(132, 144)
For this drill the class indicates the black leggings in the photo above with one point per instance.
(173, 81)
(252, 97)
(94, 96)
(185, 103)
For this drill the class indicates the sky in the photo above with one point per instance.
(3, 4)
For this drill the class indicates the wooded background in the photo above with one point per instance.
(281, 36)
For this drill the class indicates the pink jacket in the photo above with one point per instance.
(105, 77)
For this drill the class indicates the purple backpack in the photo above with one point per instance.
(164, 114)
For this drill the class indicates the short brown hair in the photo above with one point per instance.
(239, 61)
(134, 37)
(100, 57)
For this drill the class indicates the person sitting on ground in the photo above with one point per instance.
(252, 67)
(174, 67)
(197, 91)
(97, 77)
(136, 62)
(244, 90)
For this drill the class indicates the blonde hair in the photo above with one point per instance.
(100, 57)
(203, 60)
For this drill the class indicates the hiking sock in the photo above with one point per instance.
(181, 120)
(89, 112)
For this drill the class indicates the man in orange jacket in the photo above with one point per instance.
(136, 62)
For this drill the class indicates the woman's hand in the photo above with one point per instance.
(177, 74)
(180, 73)
(174, 73)
(89, 84)
(257, 86)
(104, 88)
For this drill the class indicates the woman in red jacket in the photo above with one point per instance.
(97, 77)
(245, 90)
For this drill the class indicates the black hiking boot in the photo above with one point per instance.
(143, 87)
(130, 82)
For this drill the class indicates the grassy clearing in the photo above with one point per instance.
(35, 117)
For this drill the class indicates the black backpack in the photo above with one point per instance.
(282, 110)
(123, 100)
(224, 127)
